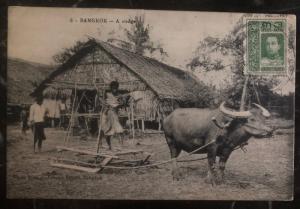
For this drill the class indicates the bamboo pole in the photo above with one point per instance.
(243, 99)
(56, 95)
(99, 138)
(132, 122)
(72, 117)
(87, 127)
(256, 94)
(143, 125)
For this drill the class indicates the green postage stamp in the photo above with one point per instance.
(266, 45)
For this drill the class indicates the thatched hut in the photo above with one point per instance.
(20, 83)
(160, 87)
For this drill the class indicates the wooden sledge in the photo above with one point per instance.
(116, 158)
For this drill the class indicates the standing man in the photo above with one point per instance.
(110, 123)
(36, 118)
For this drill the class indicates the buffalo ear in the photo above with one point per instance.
(237, 121)
(255, 111)
(263, 110)
(229, 120)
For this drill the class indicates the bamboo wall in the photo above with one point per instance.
(98, 70)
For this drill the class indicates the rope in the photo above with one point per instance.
(203, 158)
(167, 161)
(163, 162)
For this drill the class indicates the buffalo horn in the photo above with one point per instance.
(234, 114)
(265, 112)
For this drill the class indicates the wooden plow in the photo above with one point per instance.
(93, 162)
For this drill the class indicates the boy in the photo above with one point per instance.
(36, 118)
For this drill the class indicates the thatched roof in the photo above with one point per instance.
(21, 77)
(166, 81)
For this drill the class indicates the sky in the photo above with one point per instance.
(37, 34)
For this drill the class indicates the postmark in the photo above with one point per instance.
(266, 46)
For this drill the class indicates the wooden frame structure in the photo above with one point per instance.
(100, 158)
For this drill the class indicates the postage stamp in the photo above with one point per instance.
(266, 46)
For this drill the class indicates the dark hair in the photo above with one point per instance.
(39, 99)
(114, 84)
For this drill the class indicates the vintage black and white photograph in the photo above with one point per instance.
(143, 104)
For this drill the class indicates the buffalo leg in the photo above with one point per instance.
(174, 154)
(224, 155)
(211, 157)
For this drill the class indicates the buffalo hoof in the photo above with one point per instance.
(220, 177)
(211, 179)
(219, 181)
(177, 175)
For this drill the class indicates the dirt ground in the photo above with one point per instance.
(264, 172)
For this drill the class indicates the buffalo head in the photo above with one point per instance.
(251, 121)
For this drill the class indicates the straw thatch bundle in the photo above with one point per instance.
(56, 93)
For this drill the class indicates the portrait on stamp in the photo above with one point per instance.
(272, 49)
(266, 50)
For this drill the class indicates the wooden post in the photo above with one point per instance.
(52, 123)
(132, 121)
(128, 111)
(143, 125)
(256, 94)
(243, 99)
(87, 126)
(159, 126)
(99, 139)
(137, 124)
(71, 122)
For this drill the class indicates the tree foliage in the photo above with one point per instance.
(212, 55)
(66, 53)
(138, 40)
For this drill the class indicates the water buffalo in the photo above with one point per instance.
(190, 128)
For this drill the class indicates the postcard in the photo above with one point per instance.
(150, 105)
